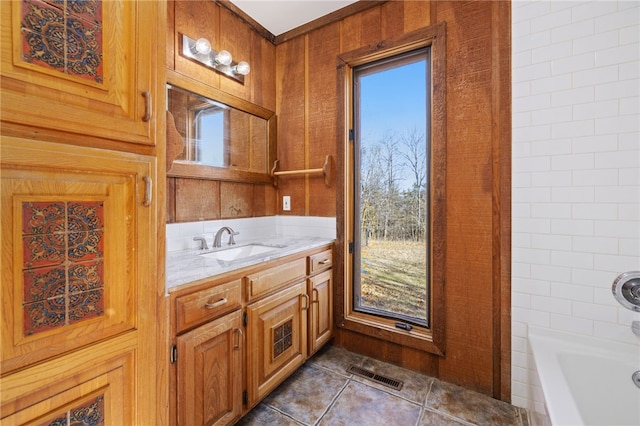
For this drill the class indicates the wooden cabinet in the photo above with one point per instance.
(210, 372)
(233, 347)
(83, 69)
(277, 339)
(78, 282)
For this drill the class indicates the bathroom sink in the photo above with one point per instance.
(240, 252)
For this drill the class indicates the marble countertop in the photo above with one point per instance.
(187, 266)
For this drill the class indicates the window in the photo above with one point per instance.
(392, 228)
(391, 169)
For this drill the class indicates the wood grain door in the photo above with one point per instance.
(321, 309)
(210, 372)
(276, 339)
(83, 68)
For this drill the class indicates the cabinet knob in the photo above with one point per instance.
(215, 304)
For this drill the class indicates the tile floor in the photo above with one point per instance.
(321, 392)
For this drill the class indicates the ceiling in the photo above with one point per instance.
(280, 16)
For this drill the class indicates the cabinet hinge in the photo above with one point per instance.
(350, 246)
(351, 135)
(245, 398)
(174, 354)
(244, 319)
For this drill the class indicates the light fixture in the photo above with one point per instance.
(200, 51)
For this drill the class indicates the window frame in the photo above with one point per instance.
(428, 339)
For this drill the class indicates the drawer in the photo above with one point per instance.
(204, 305)
(320, 261)
(270, 279)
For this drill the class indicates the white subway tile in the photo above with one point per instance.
(628, 35)
(551, 241)
(532, 195)
(532, 287)
(594, 245)
(552, 115)
(530, 316)
(528, 10)
(532, 225)
(550, 179)
(551, 20)
(551, 210)
(618, 20)
(618, 332)
(595, 177)
(573, 63)
(532, 102)
(532, 40)
(592, 311)
(573, 96)
(551, 305)
(520, 270)
(566, 291)
(550, 273)
(595, 143)
(591, 277)
(630, 142)
(617, 228)
(572, 227)
(613, 125)
(572, 259)
(629, 106)
(532, 133)
(618, 194)
(537, 256)
(595, 109)
(595, 42)
(521, 59)
(629, 71)
(615, 90)
(521, 180)
(629, 213)
(575, 128)
(551, 84)
(617, 160)
(572, 162)
(593, 76)
(618, 263)
(629, 246)
(520, 91)
(532, 164)
(591, 9)
(578, 194)
(521, 300)
(572, 31)
(621, 54)
(597, 212)
(545, 53)
(519, 30)
(571, 324)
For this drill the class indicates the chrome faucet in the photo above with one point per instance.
(217, 240)
(203, 243)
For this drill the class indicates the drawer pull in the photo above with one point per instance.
(147, 106)
(215, 304)
(324, 262)
(314, 297)
(238, 334)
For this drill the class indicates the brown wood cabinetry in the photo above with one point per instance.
(78, 283)
(82, 71)
(210, 372)
(257, 341)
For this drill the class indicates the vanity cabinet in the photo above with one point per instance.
(83, 69)
(240, 334)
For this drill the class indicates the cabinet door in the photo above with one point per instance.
(210, 372)
(86, 68)
(277, 339)
(321, 310)
(95, 387)
(77, 250)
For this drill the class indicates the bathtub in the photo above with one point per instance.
(585, 380)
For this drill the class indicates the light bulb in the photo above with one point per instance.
(203, 46)
(224, 57)
(242, 68)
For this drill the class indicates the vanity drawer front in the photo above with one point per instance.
(320, 261)
(204, 305)
(270, 279)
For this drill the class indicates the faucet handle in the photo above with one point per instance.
(203, 242)
(232, 241)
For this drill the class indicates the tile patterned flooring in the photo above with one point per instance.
(323, 393)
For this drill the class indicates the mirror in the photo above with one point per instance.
(225, 138)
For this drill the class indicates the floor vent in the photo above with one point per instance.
(386, 381)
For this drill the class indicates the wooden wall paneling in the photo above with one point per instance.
(392, 19)
(362, 29)
(323, 47)
(263, 72)
(197, 19)
(170, 35)
(236, 37)
(501, 139)
(417, 14)
(197, 199)
(171, 200)
(290, 88)
(236, 200)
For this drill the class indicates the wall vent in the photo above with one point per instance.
(383, 380)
